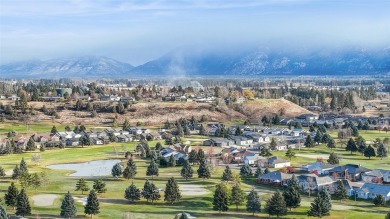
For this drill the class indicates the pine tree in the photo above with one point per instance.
(193, 157)
(11, 196)
(341, 192)
(292, 193)
(351, 146)
(265, 152)
(369, 152)
(201, 155)
(53, 130)
(237, 195)
(31, 145)
(227, 174)
(273, 144)
(238, 132)
(2, 172)
(379, 200)
(321, 206)
(132, 193)
(92, 206)
(331, 143)
(172, 161)
(36, 181)
(99, 186)
(318, 137)
(172, 192)
(16, 172)
(290, 153)
(253, 203)
(3, 213)
(82, 186)
(266, 170)
(204, 171)
(276, 205)
(23, 166)
(186, 171)
(309, 142)
(259, 171)
(152, 169)
(246, 171)
(22, 204)
(333, 159)
(116, 170)
(68, 207)
(220, 201)
(131, 170)
(202, 130)
(381, 151)
(150, 192)
(387, 216)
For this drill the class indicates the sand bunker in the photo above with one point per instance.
(193, 190)
(44, 200)
(83, 201)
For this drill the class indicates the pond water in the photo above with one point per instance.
(87, 169)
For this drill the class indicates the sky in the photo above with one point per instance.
(137, 31)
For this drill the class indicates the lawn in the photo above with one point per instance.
(113, 205)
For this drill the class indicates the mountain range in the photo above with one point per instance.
(186, 63)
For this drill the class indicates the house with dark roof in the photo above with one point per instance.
(276, 178)
(352, 172)
(370, 191)
(218, 142)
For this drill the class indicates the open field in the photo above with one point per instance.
(113, 205)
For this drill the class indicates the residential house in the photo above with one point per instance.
(251, 160)
(276, 178)
(240, 140)
(273, 162)
(352, 172)
(238, 157)
(318, 168)
(313, 182)
(370, 191)
(218, 142)
(376, 176)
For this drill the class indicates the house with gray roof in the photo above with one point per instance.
(376, 176)
(352, 172)
(371, 190)
(320, 168)
(276, 178)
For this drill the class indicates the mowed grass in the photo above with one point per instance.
(113, 205)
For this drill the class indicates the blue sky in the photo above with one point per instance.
(142, 30)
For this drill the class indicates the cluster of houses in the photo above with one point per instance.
(201, 98)
(360, 182)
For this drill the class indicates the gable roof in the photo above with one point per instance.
(376, 189)
(351, 168)
(276, 176)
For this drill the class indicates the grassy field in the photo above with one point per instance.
(113, 205)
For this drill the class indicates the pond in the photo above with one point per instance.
(87, 169)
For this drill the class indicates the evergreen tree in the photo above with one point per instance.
(292, 193)
(131, 170)
(276, 205)
(341, 192)
(273, 144)
(172, 192)
(246, 171)
(318, 137)
(201, 155)
(204, 171)
(351, 146)
(290, 153)
(220, 201)
(265, 152)
(387, 216)
(237, 196)
(369, 152)
(150, 192)
(379, 200)
(116, 170)
(16, 172)
(92, 207)
(31, 145)
(227, 174)
(158, 146)
(36, 181)
(172, 161)
(193, 157)
(152, 169)
(2, 172)
(68, 207)
(163, 162)
(3, 213)
(82, 186)
(53, 130)
(320, 207)
(309, 142)
(132, 193)
(253, 202)
(11, 196)
(202, 130)
(333, 159)
(361, 144)
(99, 186)
(186, 171)
(259, 171)
(381, 151)
(22, 204)
(23, 166)
(331, 143)
(238, 132)
(266, 170)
